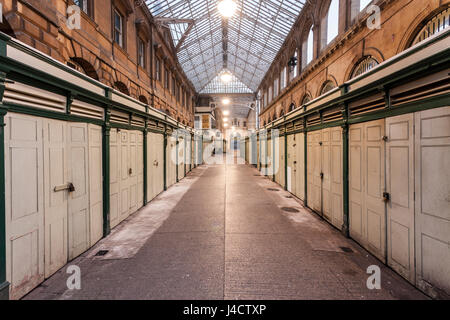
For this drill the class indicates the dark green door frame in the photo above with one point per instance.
(4, 285)
(145, 163)
(345, 167)
(165, 157)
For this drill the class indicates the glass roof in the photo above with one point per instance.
(216, 85)
(245, 44)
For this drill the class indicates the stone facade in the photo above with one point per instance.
(91, 49)
(335, 62)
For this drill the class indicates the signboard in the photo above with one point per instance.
(205, 121)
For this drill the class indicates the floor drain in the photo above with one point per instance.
(289, 209)
(272, 189)
(346, 249)
(101, 253)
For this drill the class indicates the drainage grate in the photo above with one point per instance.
(289, 209)
(272, 189)
(346, 249)
(101, 253)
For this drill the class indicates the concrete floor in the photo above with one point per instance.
(221, 234)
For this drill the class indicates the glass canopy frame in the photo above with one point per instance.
(245, 44)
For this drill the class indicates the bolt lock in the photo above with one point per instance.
(385, 138)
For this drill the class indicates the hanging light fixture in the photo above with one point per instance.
(225, 77)
(226, 112)
(225, 125)
(227, 8)
(225, 119)
(226, 101)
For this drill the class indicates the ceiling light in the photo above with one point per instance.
(225, 119)
(225, 125)
(226, 112)
(225, 77)
(226, 101)
(227, 8)
(233, 128)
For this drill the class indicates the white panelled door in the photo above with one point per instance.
(95, 183)
(56, 202)
(432, 210)
(400, 186)
(24, 219)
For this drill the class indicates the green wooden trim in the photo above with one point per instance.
(185, 150)
(51, 114)
(305, 159)
(106, 176)
(126, 126)
(145, 162)
(165, 157)
(273, 156)
(176, 156)
(4, 285)
(285, 160)
(345, 172)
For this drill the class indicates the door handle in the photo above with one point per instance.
(130, 171)
(386, 196)
(321, 175)
(155, 163)
(68, 186)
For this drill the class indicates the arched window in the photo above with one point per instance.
(121, 87)
(306, 99)
(291, 107)
(281, 113)
(308, 48)
(363, 66)
(327, 86)
(143, 99)
(83, 66)
(332, 21)
(436, 24)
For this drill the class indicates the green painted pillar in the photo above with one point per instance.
(305, 159)
(165, 157)
(176, 161)
(145, 163)
(4, 285)
(106, 173)
(345, 167)
(273, 155)
(185, 148)
(285, 159)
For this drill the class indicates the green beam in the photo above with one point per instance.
(165, 157)
(345, 154)
(285, 160)
(145, 163)
(106, 173)
(305, 159)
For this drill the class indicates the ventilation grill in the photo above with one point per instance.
(332, 115)
(313, 119)
(119, 117)
(87, 110)
(298, 124)
(290, 127)
(152, 124)
(426, 87)
(25, 95)
(366, 105)
(137, 121)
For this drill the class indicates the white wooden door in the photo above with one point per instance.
(159, 165)
(24, 219)
(78, 218)
(133, 183)
(95, 183)
(151, 162)
(56, 202)
(400, 186)
(291, 164)
(181, 154)
(332, 206)
(115, 177)
(139, 170)
(299, 165)
(432, 209)
(125, 166)
(366, 186)
(314, 170)
(270, 164)
(171, 160)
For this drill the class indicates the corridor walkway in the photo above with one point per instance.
(221, 233)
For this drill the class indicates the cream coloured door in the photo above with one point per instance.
(151, 163)
(181, 154)
(269, 161)
(95, 183)
(78, 217)
(24, 219)
(314, 170)
(332, 176)
(400, 186)
(115, 177)
(299, 165)
(133, 171)
(124, 182)
(171, 160)
(56, 202)
(366, 186)
(291, 164)
(432, 209)
(140, 169)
